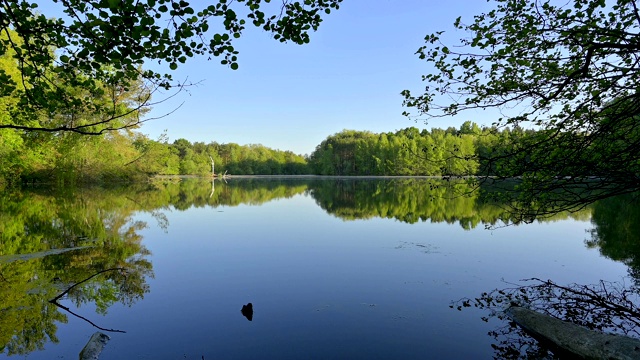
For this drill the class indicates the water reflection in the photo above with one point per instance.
(197, 193)
(616, 231)
(35, 230)
(608, 306)
(54, 242)
(56, 300)
(414, 200)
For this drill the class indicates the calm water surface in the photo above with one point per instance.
(333, 269)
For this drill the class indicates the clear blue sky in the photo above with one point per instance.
(291, 97)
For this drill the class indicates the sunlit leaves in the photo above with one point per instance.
(542, 49)
(234, 159)
(560, 67)
(109, 41)
(363, 153)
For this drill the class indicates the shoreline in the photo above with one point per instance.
(319, 177)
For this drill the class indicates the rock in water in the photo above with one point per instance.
(247, 311)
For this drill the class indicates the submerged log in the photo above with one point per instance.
(574, 340)
(94, 347)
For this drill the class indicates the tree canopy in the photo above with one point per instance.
(571, 70)
(100, 47)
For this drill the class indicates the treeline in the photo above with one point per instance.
(411, 152)
(69, 158)
(121, 153)
(127, 155)
(124, 156)
(186, 158)
(63, 152)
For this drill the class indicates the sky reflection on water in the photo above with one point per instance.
(323, 287)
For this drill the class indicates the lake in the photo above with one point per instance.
(333, 268)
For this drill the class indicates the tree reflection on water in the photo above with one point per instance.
(610, 307)
(86, 244)
(100, 224)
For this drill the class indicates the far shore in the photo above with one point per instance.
(339, 177)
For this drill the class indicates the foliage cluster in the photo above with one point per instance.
(411, 152)
(186, 158)
(55, 154)
(84, 60)
(568, 68)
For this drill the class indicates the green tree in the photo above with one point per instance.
(100, 46)
(67, 157)
(569, 69)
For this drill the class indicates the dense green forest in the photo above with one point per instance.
(119, 152)
(59, 84)
(411, 152)
(69, 158)
(74, 97)
(75, 143)
(128, 155)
